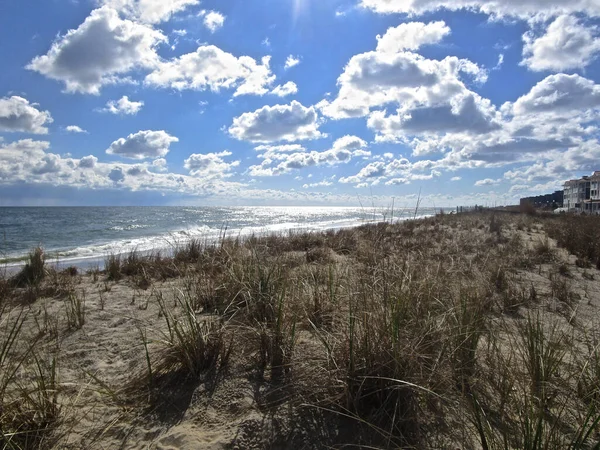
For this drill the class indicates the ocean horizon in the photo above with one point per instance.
(84, 236)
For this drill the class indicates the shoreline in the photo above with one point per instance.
(97, 261)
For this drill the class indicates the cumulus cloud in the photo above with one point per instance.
(487, 182)
(377, 78)
(464, 114)
(427, 105)
(288, 88)
(396, 171)
(88, 162)
(75, 129)
(150, 11)
(18, 159)
(210, 165)
(29, 161)
(142, 145)
(123, 106)
(291, 122)
(319, 184)
(411, 36)
(291, 61)
(99, 52)
(431, 96)
(280, 148)
(160, 165)
(136, 171)
(116, 175)
(209, 67)
(24, 161)
(282, 159)
(213, 20)
(556, 167)
(511, 8)
(18, 115)
(567, 44)
(557, 94)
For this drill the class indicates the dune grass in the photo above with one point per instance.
(458, 330)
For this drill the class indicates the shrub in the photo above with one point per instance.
(112, 265)
(495, 225)
(192, 345)
(579, 235)
(34, 270)
(75, 311)
(189, 252)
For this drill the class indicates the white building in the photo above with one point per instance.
(583, 195)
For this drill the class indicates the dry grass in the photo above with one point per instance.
(469, 331)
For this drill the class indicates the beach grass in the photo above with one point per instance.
(475, 330)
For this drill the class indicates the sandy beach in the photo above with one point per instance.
(475, 330)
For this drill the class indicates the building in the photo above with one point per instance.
(548, 201)
(583, 195)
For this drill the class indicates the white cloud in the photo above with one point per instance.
(142, 145)
(213, 20)
(75, 129)
(209, 67)
(291, 61)
(160, 165)
(282, 159)
(288, 88)
(487, 182)
(29, 162)
(123, 106)
(463, 114)
(350, 143)
(397, 171)
(15, 155)
(431, 97)
(511, 8)
(567, 44)
(150, 11)
(558, 94)
(18, 115)
(88, 162)
(116, 175)
(291, 122)
(455, 178)
(99, 52)
(378, 78)
(210, 165)
(557, 167)
(500, 62)
(319, 184)
(280, 148)
(426, 105)
(411, 36)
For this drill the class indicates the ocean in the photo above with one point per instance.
(85, 235)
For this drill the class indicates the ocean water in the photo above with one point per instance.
(83, 234)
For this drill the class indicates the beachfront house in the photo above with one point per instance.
(583, 195)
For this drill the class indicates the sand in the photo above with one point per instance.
(235, 409)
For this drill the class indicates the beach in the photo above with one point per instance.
(474, 330)
(84, 236)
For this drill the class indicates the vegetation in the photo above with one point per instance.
(474, 330)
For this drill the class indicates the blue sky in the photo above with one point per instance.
(296, 102)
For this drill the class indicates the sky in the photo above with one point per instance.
(296, 102)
